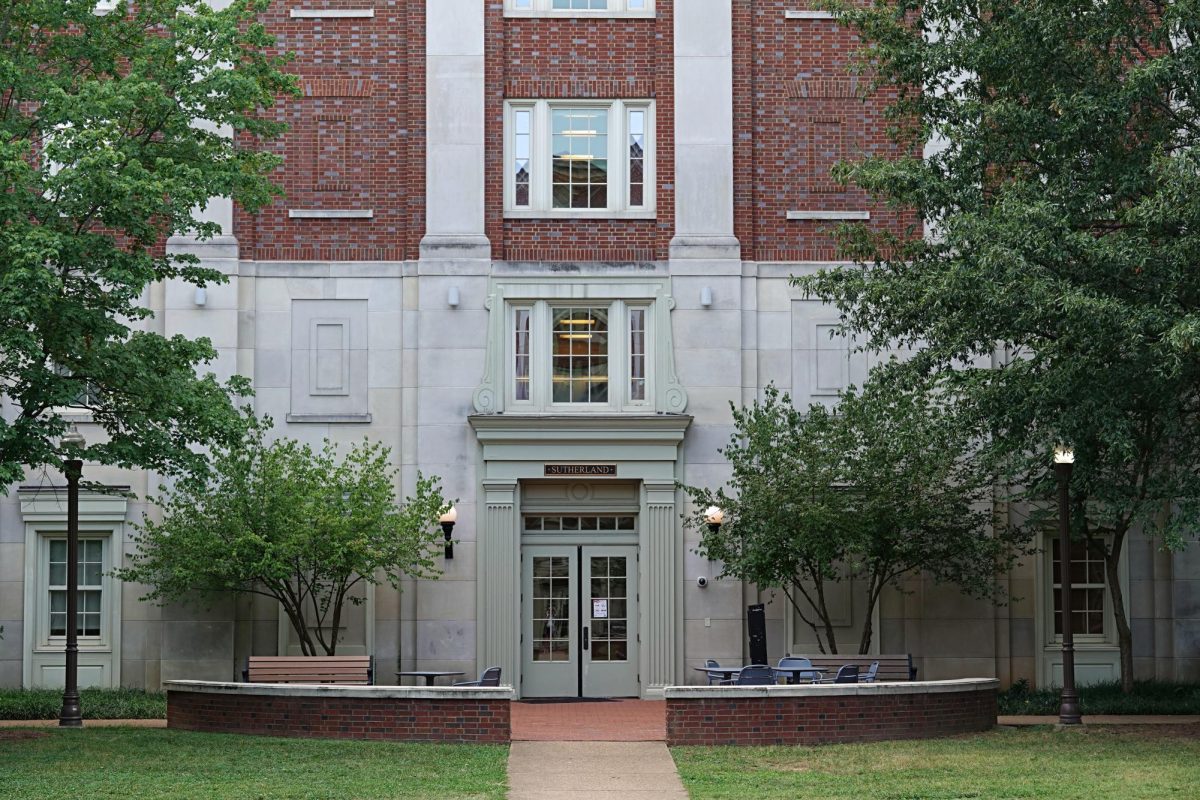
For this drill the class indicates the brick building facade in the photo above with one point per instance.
(519, 235)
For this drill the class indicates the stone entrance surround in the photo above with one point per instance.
(478, 715)
(828, 713)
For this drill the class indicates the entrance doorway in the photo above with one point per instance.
(579, 620)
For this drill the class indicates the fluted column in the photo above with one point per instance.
(660, 587)
(499, 632)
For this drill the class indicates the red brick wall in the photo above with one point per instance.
(475, 721)
(565, 58)
(796, 112)
(822, 720)
(356, 138)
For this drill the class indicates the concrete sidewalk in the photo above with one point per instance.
(1106, 719)
(87, 723)
(570, 770)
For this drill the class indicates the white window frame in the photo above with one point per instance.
(45, 639)
(1055, 639)
(541, 329)
(541, 161)
(545, 8)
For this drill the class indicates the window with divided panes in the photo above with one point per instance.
(579, 158)
(1088, 590)
(90, 568)
(579, 356)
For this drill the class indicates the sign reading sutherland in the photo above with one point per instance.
(576, 470)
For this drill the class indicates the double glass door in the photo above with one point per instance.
(579, 621)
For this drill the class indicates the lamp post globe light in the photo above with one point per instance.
(71, 716)
(1064, 461)
(447, 521)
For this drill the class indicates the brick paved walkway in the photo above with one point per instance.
(605, 721)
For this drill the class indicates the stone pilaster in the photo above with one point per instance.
(499, 591)
(659, 569)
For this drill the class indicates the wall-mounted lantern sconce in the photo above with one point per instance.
(714, 517)
(448, 519)
(453, 297)
(201, 298)
(706, 297)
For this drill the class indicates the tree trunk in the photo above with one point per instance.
(1112, 559)
(338, 600)
(828, 623)
(874, 589)
(296, 617)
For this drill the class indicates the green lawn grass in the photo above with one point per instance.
(1038, 763)
(132, 763)
(96, 704)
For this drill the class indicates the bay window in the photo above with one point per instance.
(579, 159)
(568, 356)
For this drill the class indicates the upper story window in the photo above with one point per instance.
(560, 344)
(579, 159)
(570, 8)
(568, 356)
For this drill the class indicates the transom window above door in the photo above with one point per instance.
(579, 356)
(580, 8)
(569, 159)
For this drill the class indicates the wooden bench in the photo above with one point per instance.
(891, 667)
(310, 669)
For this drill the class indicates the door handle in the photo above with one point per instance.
(585, 638)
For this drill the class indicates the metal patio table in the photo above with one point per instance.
(430, 675)
(726, 673)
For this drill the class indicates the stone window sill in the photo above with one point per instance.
(578, 14)
(330, 419)
(564, 214)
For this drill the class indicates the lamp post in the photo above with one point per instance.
(71, 716)
(1064, 461)
(447, 520)
(714, 516)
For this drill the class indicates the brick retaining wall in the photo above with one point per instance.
(805, 715)
(440, 714)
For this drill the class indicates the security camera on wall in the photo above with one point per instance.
(702, 581)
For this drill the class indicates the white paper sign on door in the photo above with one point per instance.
(599, 609)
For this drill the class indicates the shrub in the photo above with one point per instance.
(1148, 697)
(96, 704)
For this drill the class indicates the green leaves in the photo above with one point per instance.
(876, 490)
(1055, 298)
(305, 527)
(111, 136)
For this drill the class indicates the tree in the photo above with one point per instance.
(874, 491)
(1064, 204)
(302, 527)
(102, 159)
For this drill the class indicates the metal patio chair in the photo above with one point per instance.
(794, 662)
(713, 677)
(490, 677)
(872, 671)
(753, 675)
(847, 673)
